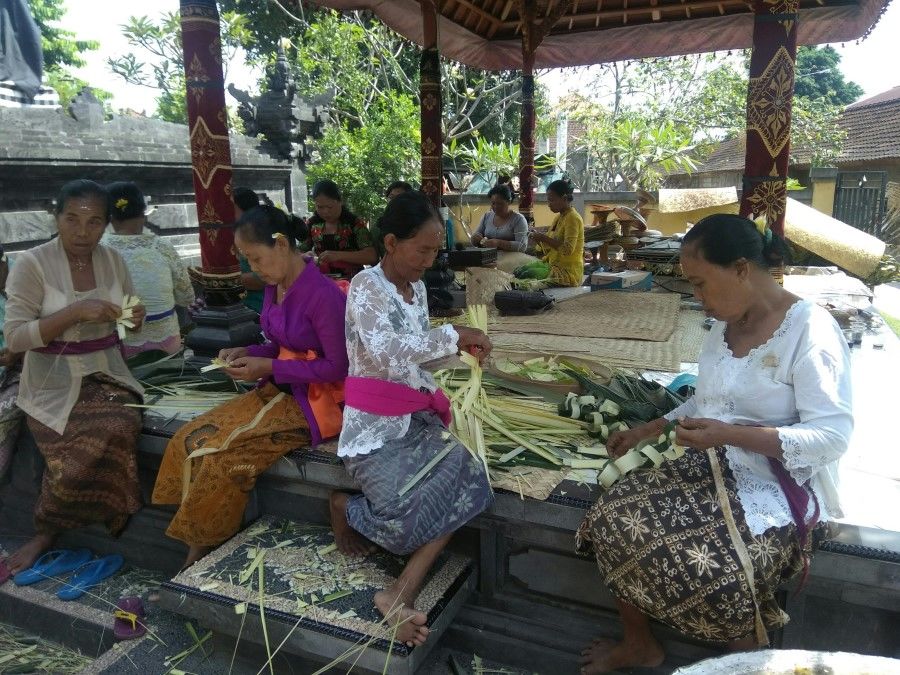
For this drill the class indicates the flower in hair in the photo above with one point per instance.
(278, 235)
(121, 203)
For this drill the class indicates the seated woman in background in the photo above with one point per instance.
(704, 542)
(300, 370)
(341, 241)
(10, 370)
(398, 187)
(63, 300)
(503, 229)
(396, 417)
(160, 278)
(244, 200)
(562, 246)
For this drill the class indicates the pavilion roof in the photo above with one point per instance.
(487, 33)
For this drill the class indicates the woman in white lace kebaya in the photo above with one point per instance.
(702, 543)
(395, 416)
(160, 278)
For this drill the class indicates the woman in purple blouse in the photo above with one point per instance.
(212, 463)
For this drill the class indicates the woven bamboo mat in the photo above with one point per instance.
(482, 283)
(621, 353)
(604, 314)
(304, 576)
(690, 334)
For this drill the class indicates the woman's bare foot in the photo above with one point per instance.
(194, 554)
(743, 645)
(29, 552)
(604, 656)
(349, 541)
(412, 630)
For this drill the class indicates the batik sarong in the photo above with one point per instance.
(11, 416)
(212, 505)
(453, 492)
(662, 544)
(91, 473)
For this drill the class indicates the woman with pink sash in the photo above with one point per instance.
(395, 417)
(63, 300)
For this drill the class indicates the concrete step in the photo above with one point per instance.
(282, 578)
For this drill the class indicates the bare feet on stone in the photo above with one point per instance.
(349, 541)
(24, 558)
(412, 630)
(604, 656)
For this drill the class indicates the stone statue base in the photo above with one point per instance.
(217, 328)
(225, 321)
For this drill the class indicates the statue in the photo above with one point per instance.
(280, 115)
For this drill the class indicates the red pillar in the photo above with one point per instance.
(208, 123)
(430, 106)
(769, 99)
(526, 139)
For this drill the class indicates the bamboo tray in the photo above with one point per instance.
(602, 373)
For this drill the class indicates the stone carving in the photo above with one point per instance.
(87, 109)
(286, 121)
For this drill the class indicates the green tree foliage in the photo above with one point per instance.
(62, 51)
(359, 59)
(159, 61)
(645, 119)
(819, 77)
(363, 160)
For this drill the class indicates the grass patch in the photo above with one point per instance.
(893, 322)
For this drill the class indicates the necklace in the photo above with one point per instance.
(79, 265)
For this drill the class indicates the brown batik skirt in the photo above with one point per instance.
(211, 508)
(91, 473)
(663, 545)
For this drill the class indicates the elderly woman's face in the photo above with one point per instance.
(81, 224)
(723, 291)
(499, 205)
(328, 209)
(412, 257)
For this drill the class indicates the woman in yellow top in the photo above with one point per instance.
(562, 247)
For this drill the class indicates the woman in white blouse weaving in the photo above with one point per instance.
(395, 416)
(703, 542)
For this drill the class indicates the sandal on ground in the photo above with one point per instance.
(89, 575)
(129, 614)
(52, 564)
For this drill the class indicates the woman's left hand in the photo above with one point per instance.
(490, 243)
(249, 368)
(701, 433)
(330, 256)
(138, 314)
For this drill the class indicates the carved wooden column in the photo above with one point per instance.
(225, 322)
(769, 99)
(430, 106)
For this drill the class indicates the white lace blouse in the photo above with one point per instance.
(798, 382)
(388, 339)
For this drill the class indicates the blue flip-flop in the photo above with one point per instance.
(89, 575)
(51, 564)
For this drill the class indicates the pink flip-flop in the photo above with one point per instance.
(129, 614)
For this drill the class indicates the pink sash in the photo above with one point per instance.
(380, 397)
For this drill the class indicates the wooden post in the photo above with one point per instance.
(208, 124)
(533, 33)
(225, 322)
(769, 98)
(526, 139)
(430, 106)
